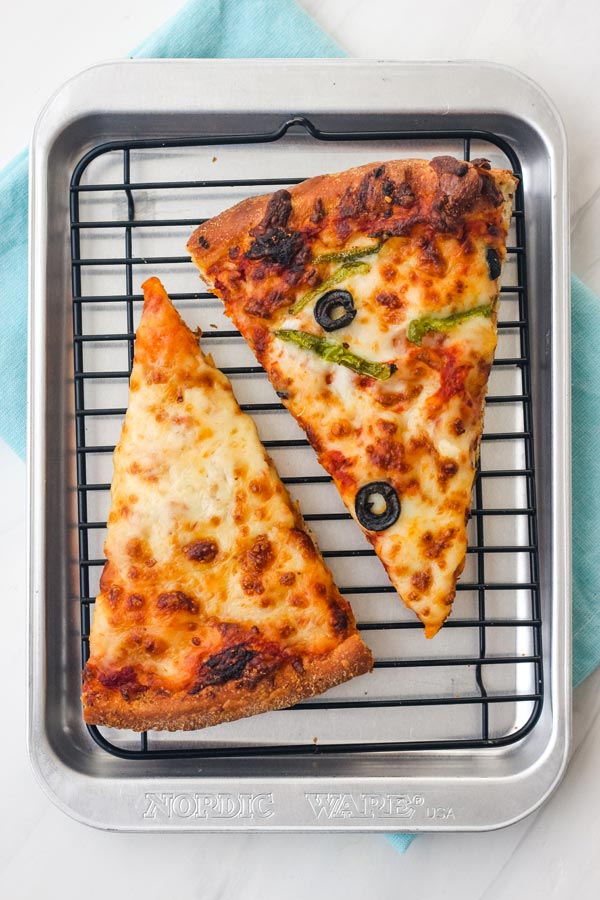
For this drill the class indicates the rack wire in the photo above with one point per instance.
(520, 631)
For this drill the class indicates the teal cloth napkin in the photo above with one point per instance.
(235, 29)
(279, 28)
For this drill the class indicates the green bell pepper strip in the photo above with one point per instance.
(349, 268)
(336, 353)
(346, 255)
(418, 328)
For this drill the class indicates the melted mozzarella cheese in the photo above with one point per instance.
(202, 535)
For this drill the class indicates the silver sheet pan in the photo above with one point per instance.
(426, 785)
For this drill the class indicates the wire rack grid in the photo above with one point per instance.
(479, 683)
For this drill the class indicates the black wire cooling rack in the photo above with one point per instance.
(525, 626)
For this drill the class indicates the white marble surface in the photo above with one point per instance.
(553, 853)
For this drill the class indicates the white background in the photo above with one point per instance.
(552, 854)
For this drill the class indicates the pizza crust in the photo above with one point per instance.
(226, 702)
(211, 240)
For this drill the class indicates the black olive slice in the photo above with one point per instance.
(334, 310)
(494, 267)
(377, 506)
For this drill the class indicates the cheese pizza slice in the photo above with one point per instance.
(370, 297)
(214, 602)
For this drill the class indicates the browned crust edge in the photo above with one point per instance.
(225, 702)
(225, 229)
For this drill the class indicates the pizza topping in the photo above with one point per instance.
(125, 679)
(202, 551)
(377, 506)
(335, 310)
(336, 353)
(494, 267)
(388, 454)
(223, 666)
(272, 241)
(418, 328)
(435, 545)
(260, 556)
(346, 255)
(352, 267)
(176, 600)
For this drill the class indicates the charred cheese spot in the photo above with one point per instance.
(339, 465)
(261, 487)
(286, 631)
(434, 545)
(447, 469)
(125, 680)
(174, 601)
(114, 595)
(226, 665)
(391, 302)
(287, 578)
(252, 585)
(341, 428)
(156, 646)
(204, 551)
(260, 555)
(338, 618)
(388, 455)
(421, 580)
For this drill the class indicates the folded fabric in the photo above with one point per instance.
(279, 28)
(13, 294)
(202, 28)
(585, 438)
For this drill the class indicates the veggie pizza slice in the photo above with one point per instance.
(370, 297)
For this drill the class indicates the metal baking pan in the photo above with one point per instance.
(469, 731)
